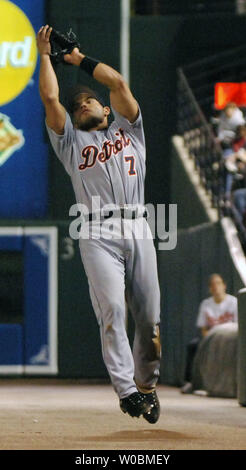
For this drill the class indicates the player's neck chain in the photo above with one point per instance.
(91, 153)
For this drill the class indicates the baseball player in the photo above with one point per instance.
(109, 161)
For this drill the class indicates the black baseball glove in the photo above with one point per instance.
(62, 44)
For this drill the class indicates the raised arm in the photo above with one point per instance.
(48, 85)
(121, 97)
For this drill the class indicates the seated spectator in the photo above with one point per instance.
(235, 159)
(215, 364)
(239, 197)
(217, 309)
(237, 148)
(231, 117)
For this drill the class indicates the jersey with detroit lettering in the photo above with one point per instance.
(109, 163)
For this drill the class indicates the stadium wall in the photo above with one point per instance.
(183, 273)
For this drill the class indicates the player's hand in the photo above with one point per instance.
(43, 40)
(74, 58)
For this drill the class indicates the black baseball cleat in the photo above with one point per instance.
(153, 415)
(135, 405)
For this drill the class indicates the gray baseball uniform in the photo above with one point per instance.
(110, 163)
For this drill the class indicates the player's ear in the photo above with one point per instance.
(106, 110)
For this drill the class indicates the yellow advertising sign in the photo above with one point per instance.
(18, 51)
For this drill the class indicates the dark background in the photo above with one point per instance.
(159, 44)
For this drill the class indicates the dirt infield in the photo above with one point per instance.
(53, 414)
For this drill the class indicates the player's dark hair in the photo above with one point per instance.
(78, 90)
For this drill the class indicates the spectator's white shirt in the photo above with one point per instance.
(212, 313)
(228, 126)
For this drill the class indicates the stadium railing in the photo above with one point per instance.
(194, 113)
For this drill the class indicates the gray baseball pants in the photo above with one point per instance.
(120, 270)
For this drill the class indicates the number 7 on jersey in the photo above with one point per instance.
(131, 159)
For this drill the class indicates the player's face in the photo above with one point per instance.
(217, 286)
(88, 113)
